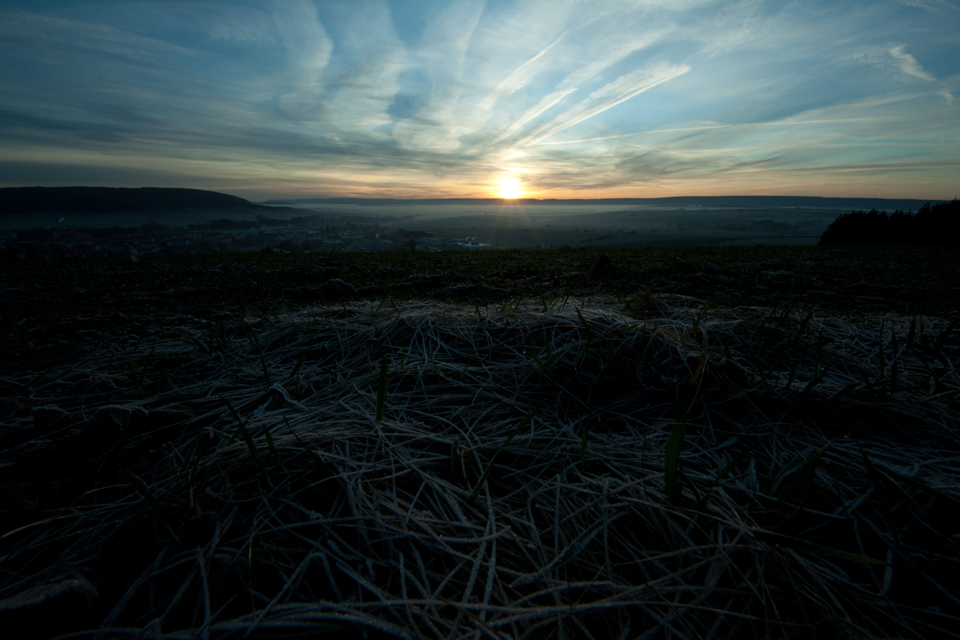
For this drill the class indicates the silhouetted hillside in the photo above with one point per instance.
(111, 200)
(937, 225)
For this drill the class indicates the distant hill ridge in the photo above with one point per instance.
(112, 200)
(803, 202)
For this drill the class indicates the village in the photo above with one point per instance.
(301, 235)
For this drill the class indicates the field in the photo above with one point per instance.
(554, 226)
(523, 225)
(675, 442)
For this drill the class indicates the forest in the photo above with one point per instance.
(936, 225)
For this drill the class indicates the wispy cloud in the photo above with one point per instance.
(546, 103)
(521, 76)
(432, 98)
(442, 59)
(53, 38)
(935, 6)
(908, 64)
(620, 90)
(572, 82)
(310, 48)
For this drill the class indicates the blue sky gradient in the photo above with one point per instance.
(569, 99)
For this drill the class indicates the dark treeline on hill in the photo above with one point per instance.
(937, 225)
(112, 200)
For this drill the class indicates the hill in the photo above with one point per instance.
(705, 202)
(112, 200)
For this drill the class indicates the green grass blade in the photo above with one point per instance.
(469, 362)
(816, 549)
(536, 359)
(192, 452)
(802, 328)
(513, 434)
(876, 478)
(433, 364)
(672, 463)
(586, 436)
(296, 368)
(804, 477)
(737, 459)
(892, 475)
(139, 486)
(585, 325)
(942, 339)
(242, 430)
(817, 373)
(270, 444)
(895, 365)
(254, 453)
(883, 355)
(586, 426)
(727, 470)
(323, 466)
(263, 362)
(236, 416)
(845, 390)
(382, 389)
(793, 376)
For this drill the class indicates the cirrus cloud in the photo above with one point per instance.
(443, 98)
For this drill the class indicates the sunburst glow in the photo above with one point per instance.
(510, 189)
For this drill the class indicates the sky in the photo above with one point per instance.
(484, 98)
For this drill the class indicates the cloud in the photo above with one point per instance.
(546, 103)
(582, 75)
(522, 75)
(363, 79)
(657, 163)
(310, 48)
(231, 23)
(935, 6)
(908, 64)
(867, 138)
(310, 94)
(442, 55)
(611, 55)
(620, 90)
(55, 38)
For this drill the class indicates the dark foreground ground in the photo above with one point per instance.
(741, 442)
(45, 304)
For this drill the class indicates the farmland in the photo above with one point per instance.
(750, 440)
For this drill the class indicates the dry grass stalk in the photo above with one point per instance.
(247, 489)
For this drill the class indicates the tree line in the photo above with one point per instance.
(936, 225)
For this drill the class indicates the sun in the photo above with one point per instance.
(510, 189)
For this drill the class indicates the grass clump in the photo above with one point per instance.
(420, 468)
